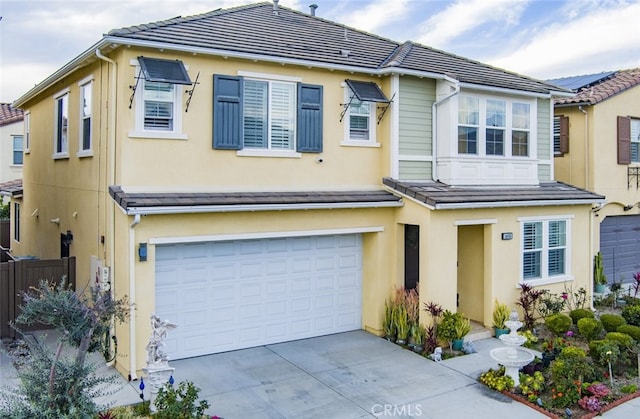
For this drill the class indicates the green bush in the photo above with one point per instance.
(624, 340)
(590, 328)
(558, 323)
(611, 322)
(580, 313)
(628, 329)
(631, 313)
(629, 389)
(602, 351)
(179, 403)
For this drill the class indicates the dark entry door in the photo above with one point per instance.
(411, 256)
(64, 245)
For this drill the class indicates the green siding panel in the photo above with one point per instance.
(415, 99)
(544, 172)
(415, 170)
(544, 129)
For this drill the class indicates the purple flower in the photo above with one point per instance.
(564, 296)
(569, 334)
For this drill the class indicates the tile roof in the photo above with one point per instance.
(442, 196)
(9, 114)
(293, 35)
(11, 187)
(603, 89)
(159, 202)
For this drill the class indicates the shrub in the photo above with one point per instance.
(558, 323)
(496, 379)
(611, 322)
(624, 340)
(590, 328)
(179, 403)
(602, 351)
(633, 331)
(580, 313)
(631, 313)
(629, 389)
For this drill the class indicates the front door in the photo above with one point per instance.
(411, 256)
(471, 271)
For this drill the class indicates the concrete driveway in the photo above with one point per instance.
(346, 375)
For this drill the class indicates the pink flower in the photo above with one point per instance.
(569, 334)
(564, 296)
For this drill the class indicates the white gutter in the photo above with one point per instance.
(132, 298)
(199, 209)
(434, 126)
(511, 204)
(504, 90)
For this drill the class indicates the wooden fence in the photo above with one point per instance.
(17, 276)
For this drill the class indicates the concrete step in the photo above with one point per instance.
(478, 332)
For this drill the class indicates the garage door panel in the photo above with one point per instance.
(257, 292)
(620, 246)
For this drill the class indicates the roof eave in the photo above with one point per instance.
(511, 204)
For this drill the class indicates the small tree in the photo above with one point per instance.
(52, 385)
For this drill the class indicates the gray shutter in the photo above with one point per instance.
(309, 118)
(564, 134)
(624, 140)
(227, 112)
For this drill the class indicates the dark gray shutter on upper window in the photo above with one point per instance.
(227, 112)
(309, 118)
(624, 140)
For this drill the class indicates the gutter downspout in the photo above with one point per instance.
(110, 218)
(132, 297)
(434, 126)
(586, 149)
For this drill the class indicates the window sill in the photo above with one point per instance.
(359, 143)
(161, 135)
(85, 153)
(268, 153)
(60, 156)
(16, 166)
(547, 281)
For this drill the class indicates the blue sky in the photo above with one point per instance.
(539, 38)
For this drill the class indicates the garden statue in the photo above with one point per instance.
(156, 354)
(437, 354)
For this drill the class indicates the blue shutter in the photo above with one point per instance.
(227, 112)
(309, 118)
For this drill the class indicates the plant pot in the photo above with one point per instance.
(401, 342)
(457, 344)
(499, 332)
(529, 369)
(418, 348)
(600, 288)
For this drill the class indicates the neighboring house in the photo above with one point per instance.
(11, 142)
(597, 147)
(259, 174)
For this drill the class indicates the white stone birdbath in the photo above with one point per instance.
(512, 357)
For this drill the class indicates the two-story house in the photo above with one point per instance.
(259, 174)
(597, 143)
(11, 142)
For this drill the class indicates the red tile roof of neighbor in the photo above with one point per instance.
(9, 114)
(603, 89)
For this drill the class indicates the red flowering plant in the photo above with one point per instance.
(597, 398)
(566, 394)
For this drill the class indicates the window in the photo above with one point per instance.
(560, 135)
(61, 144)
(269, 115)
(521, 124)
(27, 131)
(359, 115)
(468, 125)
(16, 222)
(85, 117)
(360, 120)
(544, 249)
(17, 150)
(635, 140)
(496, 120)
(494, 127)
(261, 116)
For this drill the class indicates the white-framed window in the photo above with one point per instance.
(18, 149)
(269, 115)
(27, 131)
(545, 249)
(158, 108)
(16, 221)
(359, 121)
(489, 126)
(61, 134)
(86, 95)
(635, 140)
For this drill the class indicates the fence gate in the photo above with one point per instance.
(19, 276)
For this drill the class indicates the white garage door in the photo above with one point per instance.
(238, 294)
(620, 246)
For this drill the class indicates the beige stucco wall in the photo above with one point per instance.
(9, 171)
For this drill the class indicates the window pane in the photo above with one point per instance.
(495, 142)
(467, 140)
(496, 113)
(520, 145)
(86, 134)
(556, 262)
(521, 116)
(283, 105)
(359, 127)
(158, 116)
(255, 114)
(557, 233)
(635, 140)
(532, 234)
(158, 91)
(531, 265)
(17, 149)
(86, 100)
(62, 124)
(468, 112)
(556, 134)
